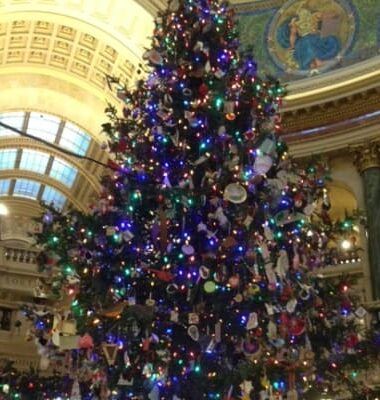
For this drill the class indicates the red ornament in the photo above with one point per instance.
(287, 293)
(258, 332)
(86, 342)
(352, 341)
(297, 326)
(164, 276)
(298, 200)
(203, 90)
(250, 134)
(234, 281)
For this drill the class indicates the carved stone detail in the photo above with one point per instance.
(367, 156)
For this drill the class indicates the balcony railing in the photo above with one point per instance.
(20, 256)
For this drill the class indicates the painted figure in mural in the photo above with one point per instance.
(309, 36)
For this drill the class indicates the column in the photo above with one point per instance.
(367, 160)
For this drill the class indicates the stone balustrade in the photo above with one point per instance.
(20, 256)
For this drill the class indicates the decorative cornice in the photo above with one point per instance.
(366, 155)
(328, 113)
(332, 143)
(333, 85)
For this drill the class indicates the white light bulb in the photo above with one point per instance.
(346, 244)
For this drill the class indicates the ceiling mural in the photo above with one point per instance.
(301, 38)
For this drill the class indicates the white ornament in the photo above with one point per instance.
(291, 306)
(235, 193)
(252, 321)
(282, 265)
(262, 164)
(75, 391)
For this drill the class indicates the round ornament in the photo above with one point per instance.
(209, 287)
(251, 347)
(296, 327)
(187, 249)
(234, 281)
(86, 342)
(238, 298)
(252, 291)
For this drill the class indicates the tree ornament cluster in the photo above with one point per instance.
(191, 278)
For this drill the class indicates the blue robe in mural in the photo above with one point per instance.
(309, 47)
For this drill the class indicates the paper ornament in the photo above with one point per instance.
(153, 56)
(68, 327)
(268, 146)
(125, 382)
(271, 330)
(110, 352)
(204, 272)
(68, 342)
(291, 306)
(282, 264)
(268, 233)
(148, 370)
(193, 318)
(193, 332)
(360, 312)
(75, 391)
(235, 193)
(154, 394)
(262, 164)
(218, 332)
(246, 388)
(252, 321)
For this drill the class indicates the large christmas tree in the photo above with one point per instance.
(192, 277)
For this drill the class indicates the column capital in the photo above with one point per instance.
(366, 155)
